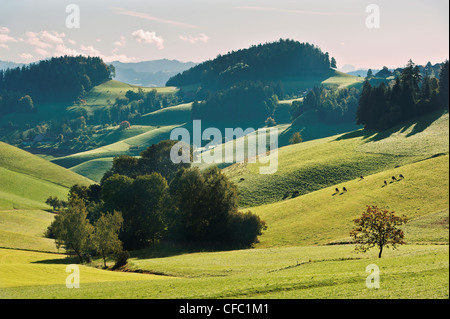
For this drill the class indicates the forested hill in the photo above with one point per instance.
(264, 62)
(57, 79)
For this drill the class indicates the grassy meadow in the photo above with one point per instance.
(28, 180)
(334, 79)
(326, 272)
(322, 163)
(304, 253)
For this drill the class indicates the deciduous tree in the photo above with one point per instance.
(378, 228)
(72, 229)
(105, 237)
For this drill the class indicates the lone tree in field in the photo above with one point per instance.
(378, 228)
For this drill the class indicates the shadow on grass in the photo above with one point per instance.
(59, 261)
(425, 122)
(163, 250)
(418, 125)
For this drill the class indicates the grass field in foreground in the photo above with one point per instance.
(25, 268)
(413, 271)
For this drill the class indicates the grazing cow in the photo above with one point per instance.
(242, 179)
(344, 190)
(337, 190)
(362, 177)
(401, 176)
(385, 183)
(393, 178)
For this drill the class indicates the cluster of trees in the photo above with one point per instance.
(56, 203)
(244, 101)
(68, 79)
(425, 70)
(126, 108)
(135, 104)
(72, 230)
(13, 101)
(410, 95)
(57, 79)
(263, 62)
(74, 133)
(333, 105)
(160, 200)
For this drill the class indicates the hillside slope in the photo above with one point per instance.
(325, 216)
(28, 180)
(321, 163)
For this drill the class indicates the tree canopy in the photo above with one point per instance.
(156, 201)
(333, 105)
(410, 95)
(264, 62)
(244, 101)
(63, 78)
(378, 228)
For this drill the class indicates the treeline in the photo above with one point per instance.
(129, 107)
(133, 105)
(245, 101)
(57, 79)
(410, 95)
(163, 201)
(332, 105)
(263, 62)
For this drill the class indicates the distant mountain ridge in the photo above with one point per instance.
(9, 65)
(149, 73)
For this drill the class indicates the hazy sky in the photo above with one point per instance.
(138, 30)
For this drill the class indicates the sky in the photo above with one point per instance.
(352, 31)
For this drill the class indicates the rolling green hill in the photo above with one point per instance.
(121, 147)
(296, 85)
(332, 79)
(297, 65)
(96, 98)
(302, 254)
(24, 229)
(156, 126)
(28, 180)
(99, 95)
(324, 216)
(305, 252)
(321, 163)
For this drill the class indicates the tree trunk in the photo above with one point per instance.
(104, 259)
(381, 250)
(78, 254)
